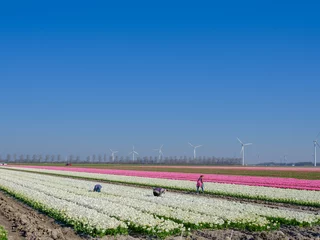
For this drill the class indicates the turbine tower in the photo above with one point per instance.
(160, 152)
(112, 154)
(194, 150)
(242, 149)
(133, 152)
(316, 144)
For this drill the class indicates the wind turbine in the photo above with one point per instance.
(160, 152)
(285, 159)
(112, 154)
(133, 152)
(242, 149)
(194, 149)
(316, 144)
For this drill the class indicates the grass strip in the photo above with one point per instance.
(3, 233)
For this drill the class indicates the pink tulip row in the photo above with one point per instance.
(241, 180)
(290, 169)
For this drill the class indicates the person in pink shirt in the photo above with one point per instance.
(200, 184)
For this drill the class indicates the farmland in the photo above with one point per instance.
(125, 206)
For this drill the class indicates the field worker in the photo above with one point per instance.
(158, 191)
(200, 184)
(97, 188)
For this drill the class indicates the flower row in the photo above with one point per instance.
(251, 168)
(86, 214)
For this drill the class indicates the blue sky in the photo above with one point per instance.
(81, 77)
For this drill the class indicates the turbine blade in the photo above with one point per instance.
(239, 141)
(318, 144)
(191, 145)
(241, 150)
(198, 146)
(247, 144)
(317, 136)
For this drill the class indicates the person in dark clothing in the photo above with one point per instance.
(97, 188)
(158, 191)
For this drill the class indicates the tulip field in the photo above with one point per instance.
(124, 207)
(274, 194)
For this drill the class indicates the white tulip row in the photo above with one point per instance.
(72, 212)
(303, 197)
(199, 212)
(91, 211)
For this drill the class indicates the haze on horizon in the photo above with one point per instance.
(80, 78)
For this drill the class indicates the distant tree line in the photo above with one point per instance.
(174, 160)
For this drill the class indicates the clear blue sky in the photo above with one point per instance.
(81, 77)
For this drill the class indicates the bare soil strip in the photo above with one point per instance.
(23, 222)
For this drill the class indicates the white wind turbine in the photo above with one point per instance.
(242, 149)
(194, 149)
(160, 152)
(133, 152)
(112, 154)
(316, 144)
(285, 159)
